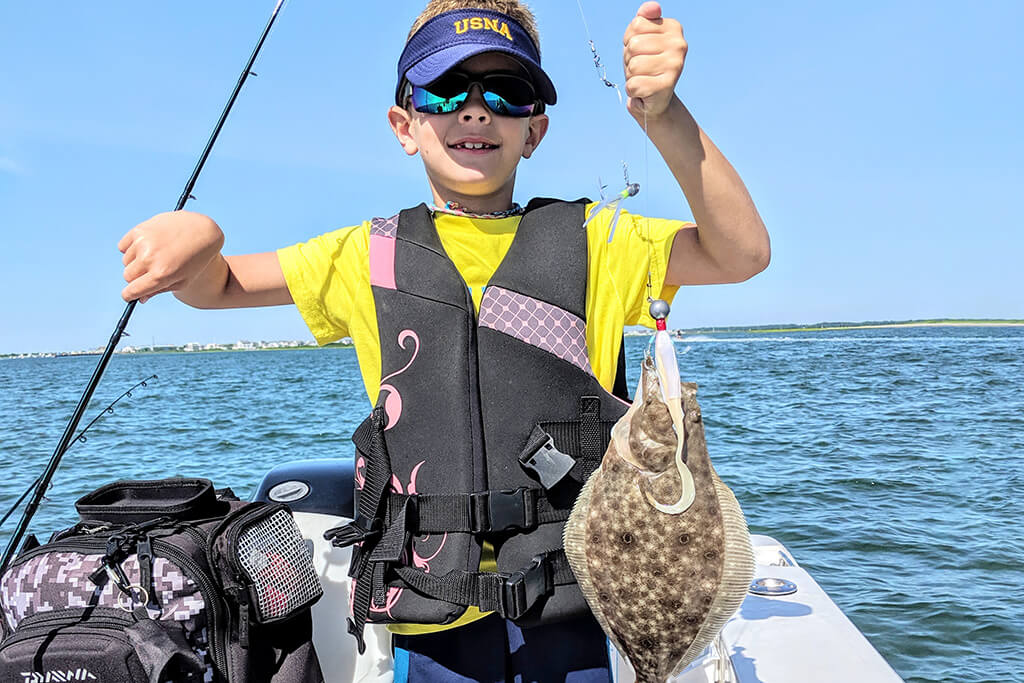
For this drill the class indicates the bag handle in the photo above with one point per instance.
(134, 501)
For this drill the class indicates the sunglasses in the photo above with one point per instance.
(504, 94)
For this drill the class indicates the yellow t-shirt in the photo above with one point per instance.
(329, 280)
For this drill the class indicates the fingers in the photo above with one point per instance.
(650, 11)
(650, 23)
(143, 286)
(175, 286)
(129, 254)
(127, 240)
(657, 43)
(642, 87)
(145, 282)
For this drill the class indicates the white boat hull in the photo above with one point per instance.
(802, 637)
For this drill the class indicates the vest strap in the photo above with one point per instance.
(510, 595)
(483, 512)
(367, 527)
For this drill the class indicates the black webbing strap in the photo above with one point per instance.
(510, 595)
(585, 438)
(367, 527)
(482, 512)
(391, 546)
(591, 441)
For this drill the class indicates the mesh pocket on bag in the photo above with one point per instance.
(274, 555)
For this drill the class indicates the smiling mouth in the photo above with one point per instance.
(473, 145)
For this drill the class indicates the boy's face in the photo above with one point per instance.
(455, 171)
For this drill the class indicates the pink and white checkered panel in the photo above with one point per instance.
(537, 323)
(384, 227)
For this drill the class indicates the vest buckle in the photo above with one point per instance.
(541, 457)
(523, 588)
(505, 510)
(355, 531)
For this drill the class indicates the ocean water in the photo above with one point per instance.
(890, 462)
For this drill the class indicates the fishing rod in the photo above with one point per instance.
(81, 437)
(122, 323)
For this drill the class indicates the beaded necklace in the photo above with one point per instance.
(457, 209)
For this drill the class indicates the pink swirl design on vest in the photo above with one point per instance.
(393, 399)
(418, 560)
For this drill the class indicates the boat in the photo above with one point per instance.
(788, 630)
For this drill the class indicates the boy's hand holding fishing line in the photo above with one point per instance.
(729, 242)
(652, 58)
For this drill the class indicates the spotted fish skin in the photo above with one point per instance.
(661, 585)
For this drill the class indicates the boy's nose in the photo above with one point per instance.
(474, 109)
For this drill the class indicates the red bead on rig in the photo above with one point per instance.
(659, 311)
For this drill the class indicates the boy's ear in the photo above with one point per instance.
(538, 128)
(401, 123)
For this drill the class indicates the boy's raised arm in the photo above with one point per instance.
(179, 252)
(730, 242)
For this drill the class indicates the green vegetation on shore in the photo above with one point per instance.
(634, 331)
(871, 324)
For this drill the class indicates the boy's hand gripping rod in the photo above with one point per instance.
(83, 402)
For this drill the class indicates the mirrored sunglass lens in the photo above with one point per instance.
(518, 91)
(427, 102)
(499, 105)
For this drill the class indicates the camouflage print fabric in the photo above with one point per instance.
(60, 580)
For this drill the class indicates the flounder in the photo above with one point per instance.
(657, 542)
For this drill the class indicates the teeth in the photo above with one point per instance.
(474, 145)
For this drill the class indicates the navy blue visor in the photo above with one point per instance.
(453, 37)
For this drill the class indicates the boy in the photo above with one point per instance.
(489, 337)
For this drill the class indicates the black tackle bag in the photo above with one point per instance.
(165, 580)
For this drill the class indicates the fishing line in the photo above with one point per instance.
(632, 189)
(602, 72)
(17, 503)
(647, 206)
(122, 323)
(80, 438)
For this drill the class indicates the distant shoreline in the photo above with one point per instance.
(880, 326)
(633, 332)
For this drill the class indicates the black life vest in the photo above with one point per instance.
(485, 428)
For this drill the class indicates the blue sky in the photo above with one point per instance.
(880, 141)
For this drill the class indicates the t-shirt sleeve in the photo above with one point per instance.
(639, 246)
(324, 276)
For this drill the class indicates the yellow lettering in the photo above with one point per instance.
(504, 31)
(476, 23)
(491, 24)
(462, 25)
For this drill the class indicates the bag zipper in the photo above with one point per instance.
(231, 529)
(108, 620)
(97, 545)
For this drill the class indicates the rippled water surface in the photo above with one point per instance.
(890, 462)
